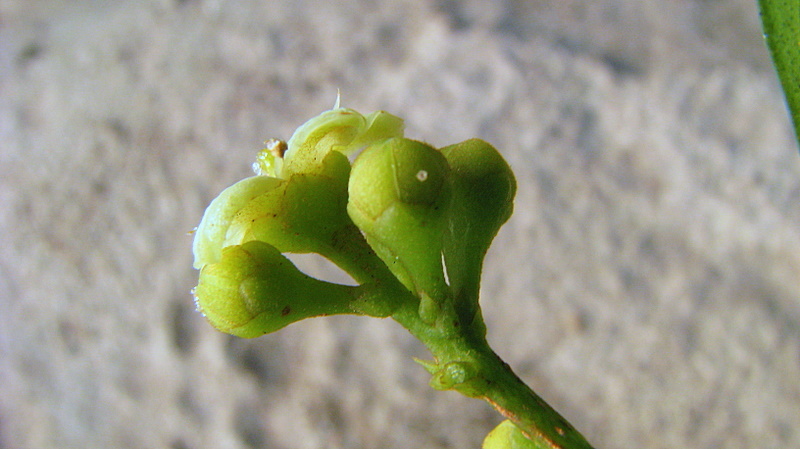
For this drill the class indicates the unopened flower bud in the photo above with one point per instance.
(253, 290)
(483, 199)
(399, 197)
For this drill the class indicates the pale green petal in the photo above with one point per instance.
(209, 237)
(343, 130)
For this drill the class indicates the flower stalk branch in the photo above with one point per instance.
(409, 222)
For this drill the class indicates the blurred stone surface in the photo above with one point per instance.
(647, 285)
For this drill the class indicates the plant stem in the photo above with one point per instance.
(463, 361)
(517, 402)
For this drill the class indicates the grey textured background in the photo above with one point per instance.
(647, 285)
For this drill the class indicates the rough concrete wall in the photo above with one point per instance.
(646, 285)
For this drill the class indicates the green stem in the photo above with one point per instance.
(351, 252)
(463, 361)
(537, 419)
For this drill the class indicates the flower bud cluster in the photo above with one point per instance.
(409, 222)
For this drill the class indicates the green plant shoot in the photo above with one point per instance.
(409, 222)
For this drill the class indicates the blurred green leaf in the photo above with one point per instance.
(781, 20)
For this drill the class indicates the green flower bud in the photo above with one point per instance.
(342, 130)
(484, 189)
(508, 436)
(483, 199)
(399, 197)
(254, 290)
(301, 215)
